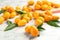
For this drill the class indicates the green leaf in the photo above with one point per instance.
(20, 12)
(2, 11)
(53, 23)
(9, 22)
(40, 28)
(56, 21)
(10, 26)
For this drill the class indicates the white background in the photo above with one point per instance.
(18, 33)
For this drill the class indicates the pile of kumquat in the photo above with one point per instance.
(39, 12)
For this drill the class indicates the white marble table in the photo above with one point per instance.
(51, 33)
